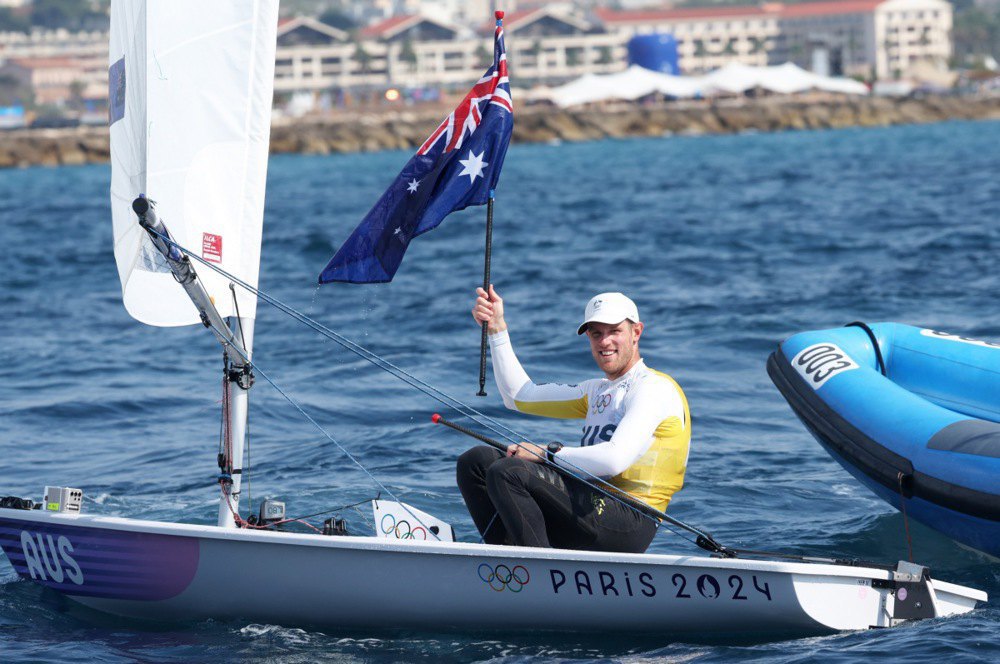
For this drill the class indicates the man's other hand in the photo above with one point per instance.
(527, 451)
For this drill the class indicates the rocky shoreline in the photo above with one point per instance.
(406, 130)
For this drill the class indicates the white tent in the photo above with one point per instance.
(782, 79)
(633, 83)
(636, 82)
(732, 79)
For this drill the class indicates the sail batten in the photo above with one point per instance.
(191, 85)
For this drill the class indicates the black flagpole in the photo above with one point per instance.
(489, 251)
(486, 287)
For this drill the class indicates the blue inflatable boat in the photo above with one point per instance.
(913, 414)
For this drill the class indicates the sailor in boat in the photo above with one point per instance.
(636, 435)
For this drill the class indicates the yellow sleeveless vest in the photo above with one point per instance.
(659, 473)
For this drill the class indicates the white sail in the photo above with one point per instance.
(191, 86)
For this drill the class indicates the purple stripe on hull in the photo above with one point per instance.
(97, 562)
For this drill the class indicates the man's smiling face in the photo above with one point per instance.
(615, 347)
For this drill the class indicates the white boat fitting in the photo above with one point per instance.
(190, 108)
(170, 571)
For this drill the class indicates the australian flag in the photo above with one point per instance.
(457, 166)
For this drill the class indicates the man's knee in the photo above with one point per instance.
(474, 462)
(507, 471)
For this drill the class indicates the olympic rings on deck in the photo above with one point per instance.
(503, 577)
(401, 529)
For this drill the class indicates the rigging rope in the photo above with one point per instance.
(316, 424)
(435, 393)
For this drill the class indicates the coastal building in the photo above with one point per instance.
(548, 44)
(311, 55)
(707, 37)
(869, 38)
(551, 44)
(910, 34)
(60, 66)
(872, 38)
(54, 43)
(53, 81)
(404, 50)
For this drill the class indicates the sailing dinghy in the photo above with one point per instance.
(190, 106)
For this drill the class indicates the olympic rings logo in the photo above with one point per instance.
(602, 402)
(504, 578)
(401, 529)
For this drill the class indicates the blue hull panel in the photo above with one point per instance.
(980, 534)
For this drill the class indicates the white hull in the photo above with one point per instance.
(167, 571)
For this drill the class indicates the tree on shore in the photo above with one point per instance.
(338, 19)
(76, 89)
(70, 14)
(483, 54)
(14, 92)
(407, 53)
(11, 22)
(976, 34)
(363, 58)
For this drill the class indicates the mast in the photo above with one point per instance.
(239, 379)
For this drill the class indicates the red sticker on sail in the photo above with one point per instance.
(211, 247)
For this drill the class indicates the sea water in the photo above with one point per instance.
(728, 244)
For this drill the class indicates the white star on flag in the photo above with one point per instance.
(412, 186)
(473, 166)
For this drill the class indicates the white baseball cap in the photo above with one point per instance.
(611, 308)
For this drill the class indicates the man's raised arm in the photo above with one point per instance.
(516, 388)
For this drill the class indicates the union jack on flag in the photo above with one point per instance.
(492, 88)
(457, 166)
